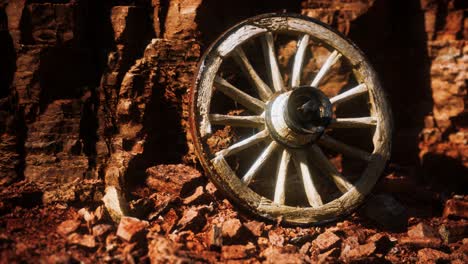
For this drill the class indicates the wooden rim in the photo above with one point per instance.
(219, 170)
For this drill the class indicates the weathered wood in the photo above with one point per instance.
(321, 161)
(243, 144)
(271, 62)
(349, 94)
(331, 60)
(249, 102)
(262, 88)
(281, 177)
(308, 178)
(260, 162)
(340, 147)
(238, 121)
(299, 60)
(354, 122)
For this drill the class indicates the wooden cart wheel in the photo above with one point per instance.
(271, 138)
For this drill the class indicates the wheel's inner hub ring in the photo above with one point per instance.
(298, 118)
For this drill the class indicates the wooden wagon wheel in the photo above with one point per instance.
(267, 133)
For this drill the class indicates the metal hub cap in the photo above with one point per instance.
(299, 117)
(274, 134)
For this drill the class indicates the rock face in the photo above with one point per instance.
(98, 90)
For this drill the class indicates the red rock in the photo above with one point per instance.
(171, 179)
(326, 241)
(170, 220)
(237, 251)
(275, 238)
(255, 227)
(231, 228)
(330, 256)
(194, 218)
(163, 250)
(360, 252)
(428, 255)
(87, 241)
(131, 228)
(455, 208)
(452, 232)
(282, 255)
(420, 242)
(382, 242)
(180, 21)
(421, 230)
(101, 230)
(68, 226)
(198, 197)
(214, 237)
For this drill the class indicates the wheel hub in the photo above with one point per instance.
(298, 118)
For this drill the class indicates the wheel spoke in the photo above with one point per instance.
(249, 102)
(282, 172)
(308, 175)
(273, 71)
(237, 121)
(332, 59)
(322, 162)
(263, 90)
(353, 122)
(299, 60)
(258, 164)
(246, 143)
(351, 93)
(340, 147)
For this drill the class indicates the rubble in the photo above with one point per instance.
(68, 227)
(231, 228)
(452, 232)
(237, 251)
(86, 241)
(326, 241)
(428, 255)
(131, 228)
(456, 208)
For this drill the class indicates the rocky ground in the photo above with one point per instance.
(94, 98)
(178, 216)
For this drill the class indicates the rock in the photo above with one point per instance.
(59, 258)
(115, 203)
(162, 250)
(283, 255)
(275, 238)
(421, 236)
(387, 212)
(131, 228)
(455, 208)
(68, 226)
(101, 230)
(382, 242)
(198, 197)
(194, 218)
(255, 227)
(231, 228)
(87, 215)
(237, 251)
(86, 241)
(452, 232)
(420, 242)
(429, 255)
(421, 230)
(361, 252)
(214, 237)
(169, 221)
(180, 21)
(174, 180)
(330, 256)
(326, 241)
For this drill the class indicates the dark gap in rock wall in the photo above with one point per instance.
(392, 35)
(164, 8)
(7, 56)
(214, 16)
